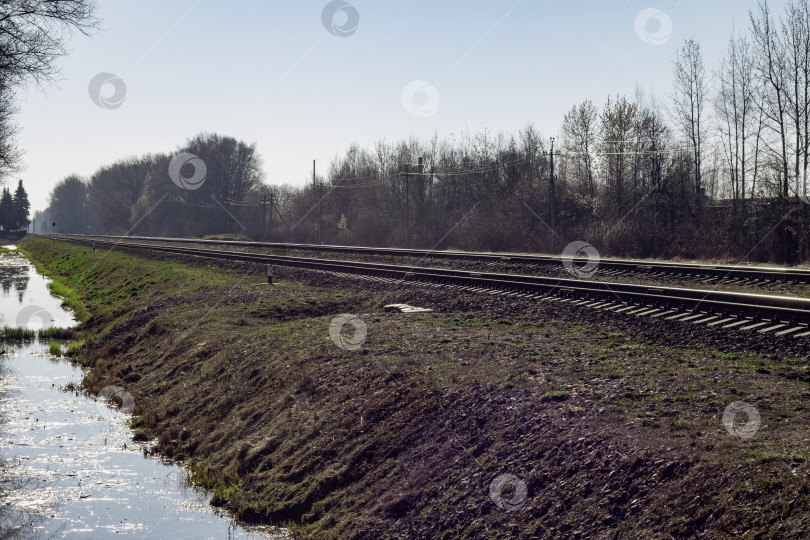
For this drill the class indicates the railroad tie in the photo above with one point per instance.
(721, 321)
(771, 328)
(705, 320)
(755, 325)
(788, 331)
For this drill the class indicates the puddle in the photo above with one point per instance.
(68, 466)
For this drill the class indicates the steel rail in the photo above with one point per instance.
(687, 270)
(790, 311)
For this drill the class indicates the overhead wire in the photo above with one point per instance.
(444, 173)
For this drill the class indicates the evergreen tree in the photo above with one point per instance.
(21, 207)
(6, 210)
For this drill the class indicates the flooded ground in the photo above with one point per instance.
(68, 467)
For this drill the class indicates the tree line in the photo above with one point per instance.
(138, 196)
(14, 209)
(715, 169)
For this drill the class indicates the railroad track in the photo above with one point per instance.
(700, 273)
(778, 315)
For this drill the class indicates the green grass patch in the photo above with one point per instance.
(680, 425)
(55, 348)
(102, 282)
(70, 299)
(577, 330)
(9, 333)
(56, 333)
(74, 347)
(770, 483)
(222, 488)
(647, 422)
(759, 456)
(555, 395)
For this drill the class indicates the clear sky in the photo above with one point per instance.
(270, 72)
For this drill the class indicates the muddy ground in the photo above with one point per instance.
(609, 426)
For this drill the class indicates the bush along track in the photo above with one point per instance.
(489, 417)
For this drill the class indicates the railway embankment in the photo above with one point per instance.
(488, 417)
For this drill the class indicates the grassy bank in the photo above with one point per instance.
(609, 428)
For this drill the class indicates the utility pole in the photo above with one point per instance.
(320, 203)
(552, 191)
(272, 205)
(264, 210)
(407, 175)
(320, 210)
(552, 195)
(407, 206)
(420, 184)
(85, 219)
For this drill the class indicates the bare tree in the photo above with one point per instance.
(652, 158)
(9, 152)
(795, 34)
(616, 144)
(771, 68)
(580, 131)
(689, 103)
(33, 34)
(737, 115)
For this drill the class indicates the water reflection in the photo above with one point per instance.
(68, 467)
(15, 522)
(31, 302)
(13, 274)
